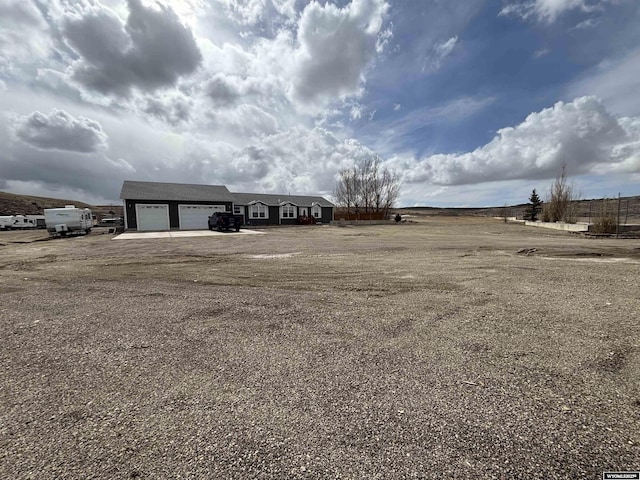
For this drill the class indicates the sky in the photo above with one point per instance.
(470, 102)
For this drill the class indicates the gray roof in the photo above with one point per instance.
(174, 191)
(275, 199)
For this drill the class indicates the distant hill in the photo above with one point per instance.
(12, 204)
(585, 209)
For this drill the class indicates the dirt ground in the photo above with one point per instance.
(460, 347)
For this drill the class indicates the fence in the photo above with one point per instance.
(360, 216)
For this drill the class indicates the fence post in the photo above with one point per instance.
(626, 215)
(618, 222)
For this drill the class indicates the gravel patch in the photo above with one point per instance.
(444, 348)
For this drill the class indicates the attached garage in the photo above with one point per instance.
(194, 217)
(155, 206)
(152, 217)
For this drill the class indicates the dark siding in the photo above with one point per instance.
(274, 215)
(288, 221)
(327, 214)
(174, 220)
(258, 222)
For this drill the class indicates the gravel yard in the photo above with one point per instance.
(448, 347)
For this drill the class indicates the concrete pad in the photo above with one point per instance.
(567, 227)
(181, 234)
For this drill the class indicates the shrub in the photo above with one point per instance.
(546, 212)
(604, 220)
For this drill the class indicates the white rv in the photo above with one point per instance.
(38, 219)
(63, 221)
(5, 222)
(21, 222)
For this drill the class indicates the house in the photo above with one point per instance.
(270, 209)
(154, 206)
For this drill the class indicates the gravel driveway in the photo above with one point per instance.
(446, 348)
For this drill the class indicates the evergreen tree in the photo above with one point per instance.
(534, 206)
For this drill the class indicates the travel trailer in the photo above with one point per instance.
(68, 220)
(16, 222)
(38, 219)
(20, 222)
(5, 222)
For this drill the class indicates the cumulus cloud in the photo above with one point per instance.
(223, 90)
(243, 122)
(172, 107)
(581, 134)
(298, 159)
(251, 12)
(335, 47)
(78, 164)
(548, 11)
(61, 131)
(151, 50)
(23, 33)
(305, 160)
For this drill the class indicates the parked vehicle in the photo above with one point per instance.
(225, 221)
(38, 219)
(20, 222)
(110, 222)
(16, 222)
(6, 221)
(68, 220)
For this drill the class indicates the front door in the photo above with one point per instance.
(303, 211)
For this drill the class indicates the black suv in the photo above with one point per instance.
(225, 221)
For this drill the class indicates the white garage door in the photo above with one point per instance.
(195, 217)
(152, 217)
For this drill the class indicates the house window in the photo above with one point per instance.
(237, 210)
(316, 211)
(288, 211)
(258, 210)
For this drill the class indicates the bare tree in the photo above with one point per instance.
(346, 189)
(560, 206)
(369, 186)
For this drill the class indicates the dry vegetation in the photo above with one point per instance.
(448, 347)
(11, 204)
(583, 210)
